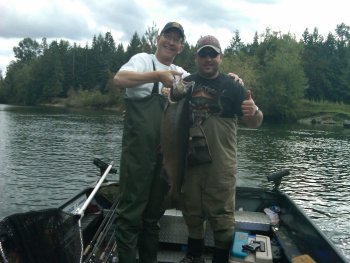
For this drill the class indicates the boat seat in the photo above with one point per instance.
(173, 228)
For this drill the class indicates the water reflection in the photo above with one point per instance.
(46, 156)
(318, 160)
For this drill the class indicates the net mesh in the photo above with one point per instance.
(46, 236)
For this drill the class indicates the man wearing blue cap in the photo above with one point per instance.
(142, 190)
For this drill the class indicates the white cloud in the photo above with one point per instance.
(79, 20)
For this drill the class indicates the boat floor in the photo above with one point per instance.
(171, 256)
(295, 235)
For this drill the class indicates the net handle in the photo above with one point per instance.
(81, 211)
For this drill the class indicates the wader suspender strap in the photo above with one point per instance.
(155, 89)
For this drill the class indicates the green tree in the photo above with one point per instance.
(342, 48)
(245, 66)
(149, 40)
(109, 49)
(134, 47)
(235, 45)
(326, 65)
(252, 48)
(120, 58)
(49, 75)
(2, 89)
(315, 65)
(281, 79)
(17, 81)
(27, 50)
(186, 58)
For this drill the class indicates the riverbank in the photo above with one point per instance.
(326, 119)
(323, 113)
(64, 103)
(307, 112)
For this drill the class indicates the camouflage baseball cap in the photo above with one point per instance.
(208, 41)
(174, 25)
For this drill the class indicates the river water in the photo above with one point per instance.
(46, 157)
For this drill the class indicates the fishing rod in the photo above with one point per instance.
(111, 253)
(102, 225)
(109, 243)
(101, 236)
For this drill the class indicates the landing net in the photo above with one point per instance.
(43, 236)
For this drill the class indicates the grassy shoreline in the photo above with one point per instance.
(323, 113)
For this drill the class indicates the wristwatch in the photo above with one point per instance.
(256, 111)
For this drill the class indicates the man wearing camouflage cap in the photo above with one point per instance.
(208, 192)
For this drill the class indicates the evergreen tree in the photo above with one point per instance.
(186, 58)
(149, 40)
(235, 45)
(134, 47)
(342, 91)
(271, 66)
(120, 58)
(314, 64)
(27, 50)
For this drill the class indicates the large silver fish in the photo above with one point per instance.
(174, 136)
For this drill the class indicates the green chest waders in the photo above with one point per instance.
(142, 189)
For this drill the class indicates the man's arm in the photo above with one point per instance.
(252, 116)
(128, 79)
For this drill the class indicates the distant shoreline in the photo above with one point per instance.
(330, 117)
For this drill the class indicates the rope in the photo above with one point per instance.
(81, 240)
(3, 253)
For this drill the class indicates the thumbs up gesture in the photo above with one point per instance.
(248, 106)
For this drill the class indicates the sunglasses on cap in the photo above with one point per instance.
(208, 52)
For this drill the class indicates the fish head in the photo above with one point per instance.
(179, 88)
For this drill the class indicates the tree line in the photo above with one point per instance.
(279, 69)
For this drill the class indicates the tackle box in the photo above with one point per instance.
(263, 253)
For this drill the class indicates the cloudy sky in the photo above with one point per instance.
(78, 20)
